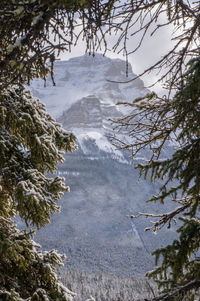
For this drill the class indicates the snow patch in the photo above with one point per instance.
(100, 140)
(83, 76)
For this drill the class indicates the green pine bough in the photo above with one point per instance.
(175, 120)
(32, 143)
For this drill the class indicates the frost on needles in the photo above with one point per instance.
(32, 144)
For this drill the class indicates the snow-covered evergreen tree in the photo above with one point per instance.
(32, 143)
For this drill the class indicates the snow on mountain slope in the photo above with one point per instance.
(84, 99)
(82, 76)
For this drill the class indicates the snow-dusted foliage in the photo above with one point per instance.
(28, 274)
(31, 145)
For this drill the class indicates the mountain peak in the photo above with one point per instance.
(86, 75)
(85, 96)
(96, 59)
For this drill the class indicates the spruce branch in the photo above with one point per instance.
(165, 218)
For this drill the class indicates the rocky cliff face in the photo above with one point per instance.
(93, 228)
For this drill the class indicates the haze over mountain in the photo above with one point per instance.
(93, 228)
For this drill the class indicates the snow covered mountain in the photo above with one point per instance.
(87, 75)
(93, 228)
(84, 98)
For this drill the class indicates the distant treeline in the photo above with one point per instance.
(103, 287)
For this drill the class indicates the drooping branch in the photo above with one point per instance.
(165, 218)
(180, 292)
(94, 21)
